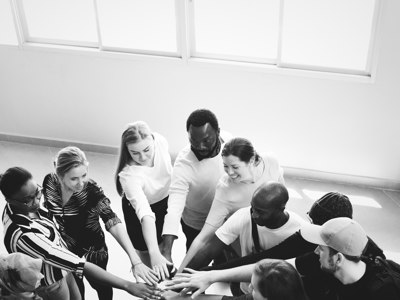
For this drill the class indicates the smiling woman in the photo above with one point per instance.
(77, 203)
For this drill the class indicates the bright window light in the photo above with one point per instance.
(138, 24)
(327, 33)
(61, 20)
(354, 199)
(293, 194)
(8, 35)
(236, 28)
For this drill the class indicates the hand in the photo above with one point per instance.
(144, 291)
(197, 281)
(169, 295)
(160, 265)
(144, 272)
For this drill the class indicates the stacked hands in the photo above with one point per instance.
(195, 282)
(191, 281)
(155, 286)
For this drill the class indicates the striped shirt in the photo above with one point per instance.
(78, 219)
(39, 238)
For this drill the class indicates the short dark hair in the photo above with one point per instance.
(279, 280)
(329, 206)
(201, 117)
(12, 180)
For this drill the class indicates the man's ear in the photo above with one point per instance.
(339, 259)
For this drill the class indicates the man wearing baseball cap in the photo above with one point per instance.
(341, 243)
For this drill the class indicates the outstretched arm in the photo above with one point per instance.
(138, 268)
(140, 290)
(211, 249)
(199, 281)
(158, 261)
(199, 244)
(166, 246)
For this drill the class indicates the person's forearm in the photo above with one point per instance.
(168, 241)
(239, 274)
(211, 249)
(198, 245)
(103, 277)
(121, 236)
(150, 235)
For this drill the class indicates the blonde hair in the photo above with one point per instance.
(134, 132)
(69, 158)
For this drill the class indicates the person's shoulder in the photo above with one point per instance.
(50, 178)
(185, 157)
(224, 182)
(269, 158)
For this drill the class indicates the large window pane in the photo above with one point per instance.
(329, 33)
(62, 20)
(8, 35)
(138, 24)
(241, 28)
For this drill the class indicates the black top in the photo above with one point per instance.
(78, 219)
(373, 285)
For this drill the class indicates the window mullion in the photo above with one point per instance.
(96, 14)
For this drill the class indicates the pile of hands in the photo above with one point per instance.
(190, 283)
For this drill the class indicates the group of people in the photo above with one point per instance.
(229, 200)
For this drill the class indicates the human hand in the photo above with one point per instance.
(197, 281)
(144, 272)
(169, 295)
(142, 290)
(160, 266)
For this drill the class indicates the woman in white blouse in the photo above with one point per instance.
(142, 179)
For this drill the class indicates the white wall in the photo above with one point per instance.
(338, 126)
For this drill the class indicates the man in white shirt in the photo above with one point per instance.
(267, 214)
(195, 175)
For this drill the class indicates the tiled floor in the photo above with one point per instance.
(377, 210)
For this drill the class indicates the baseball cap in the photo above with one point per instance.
(342, 234)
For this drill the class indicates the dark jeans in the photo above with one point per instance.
(99, 258)
(134, 227)
(190, 234)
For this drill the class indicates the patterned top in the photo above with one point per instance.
(78, 219)
(40, 238)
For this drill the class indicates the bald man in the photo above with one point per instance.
(268, 215)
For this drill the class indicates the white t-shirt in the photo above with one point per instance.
(239, 226)
(192, 189)
(145, 185)
(230, 195)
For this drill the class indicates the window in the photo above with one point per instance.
(68, 22)
(8, 35)
(323, 35)
(142, 25)
(236, 29)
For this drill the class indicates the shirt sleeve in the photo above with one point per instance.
(133, 189)
(103, 207)
(230, 231)
(219, 210)
(178, 192)
(275, 169)
(38, 246)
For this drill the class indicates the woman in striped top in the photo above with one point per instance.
(32, 230)
(77, 203)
